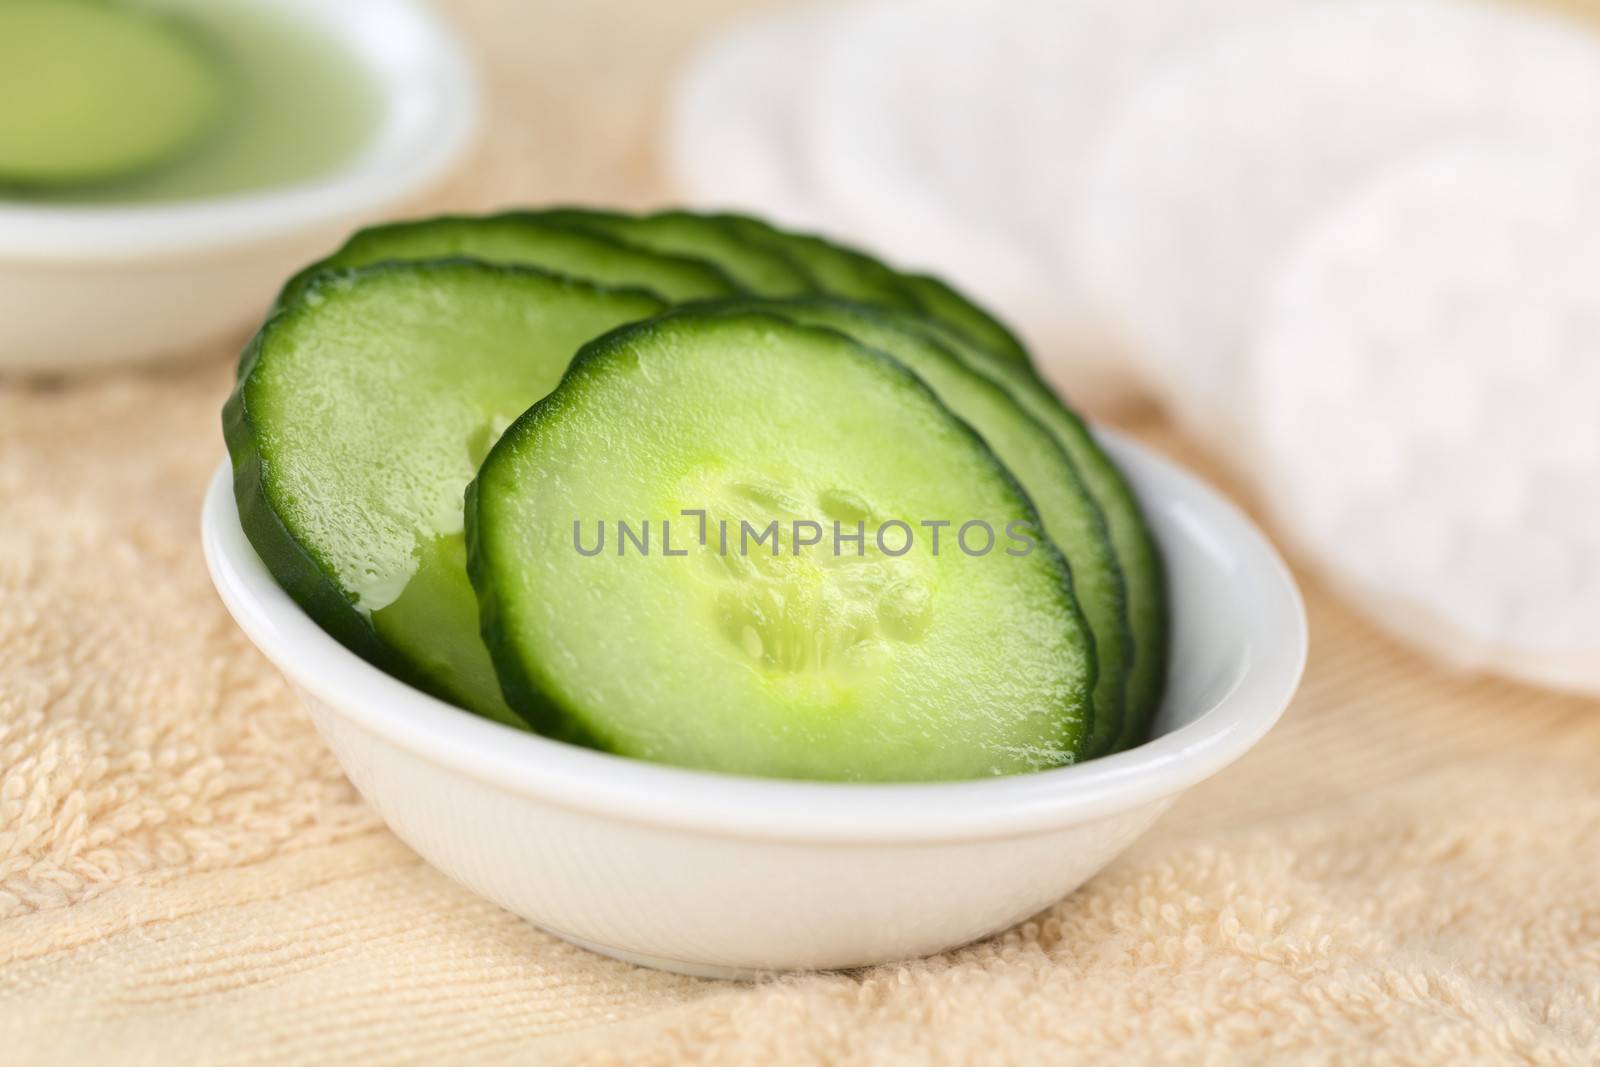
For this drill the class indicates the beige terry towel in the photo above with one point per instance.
(1406, 871)
(1408, 867)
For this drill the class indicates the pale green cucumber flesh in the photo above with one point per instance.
(1071, 517)
(527, 240)
(870, 667)
(362, 411)
(95, 92)
(763, 271)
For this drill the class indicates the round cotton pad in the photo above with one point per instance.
(731, 123)
(1427, 398)
(1219, 164)
(957, 134)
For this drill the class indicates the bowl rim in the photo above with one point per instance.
(430, 102)
(633, 791)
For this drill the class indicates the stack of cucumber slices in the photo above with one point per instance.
(693, 489)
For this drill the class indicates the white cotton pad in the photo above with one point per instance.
(956, 136)
(1218, 164)
(1428, 402)
(730, 139)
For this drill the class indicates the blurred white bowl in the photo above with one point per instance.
(728, 876)
(92, 285)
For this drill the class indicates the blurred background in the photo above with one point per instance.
(1343, 248)
(1338, 257)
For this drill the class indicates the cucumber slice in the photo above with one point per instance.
(95, 92)
(949, 308)
(528, 241)
(839, 271)
(777, 263)
(1144, 577)
(763, 271)
(862, 667)
(856, 276)
(360, 414)
(1071, 517)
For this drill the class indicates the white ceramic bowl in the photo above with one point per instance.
(728, 876)
(90, 285)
